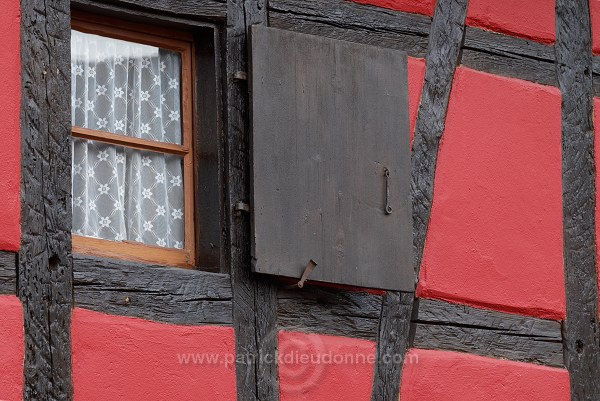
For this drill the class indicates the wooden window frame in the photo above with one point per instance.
(182, 43)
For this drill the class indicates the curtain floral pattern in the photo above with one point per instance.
(123, 194)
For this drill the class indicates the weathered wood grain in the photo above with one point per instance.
(8, 273)
(127, 11)
(316, 200)
(45, 266)
(163, 294)
(443, 54)
(446, 326)
(267, 373)
(509, 56)
(442, 58)
(194, 9)
(482, 50)
(574, 68)
(392, 344)
(508, 45)
(596, 75)
(329, 311)
(254, 298)
(353, 22)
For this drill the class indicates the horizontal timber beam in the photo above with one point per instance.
(509, 56)
(482, 50)
(329, 311)
(163, 294)
(445, 326)
(353, 22)
(8, 273)
(188, 9)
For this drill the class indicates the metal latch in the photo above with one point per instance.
(386, 173)
(307, 270)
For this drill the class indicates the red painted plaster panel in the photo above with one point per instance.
(495, 234)
(11, 348)
(122, 358)
(452, 376)
(595, 15)
(424, 7)
(532, 19)
(316, 367)
(416, 76)
(10, 108)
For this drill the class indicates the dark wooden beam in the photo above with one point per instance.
(8, 273)
(392, 344)
(445, 326)
(574, 68)
(354, 22)
(329, 311)
(443, 55)
(596, 74)
(509, 56)
(254, 297)
(189, 9)
(129, 11)
(163, 294)
(447, 33)
(45, 265)
(483, 50)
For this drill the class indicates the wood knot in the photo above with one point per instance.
(53, 263)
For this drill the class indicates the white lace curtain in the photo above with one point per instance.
(121, 193)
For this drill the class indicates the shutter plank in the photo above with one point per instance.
(328, 117)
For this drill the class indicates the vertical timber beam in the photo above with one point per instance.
(45, 273)
(574, 69)
(254, 298)
(443, 55)
(392, 344)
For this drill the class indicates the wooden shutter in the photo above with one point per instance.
(329, 118)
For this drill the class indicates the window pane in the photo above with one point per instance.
(125, 88)
(125, 194)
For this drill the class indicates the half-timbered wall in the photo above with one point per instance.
(501, 97)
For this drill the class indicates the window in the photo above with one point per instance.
(133, 145)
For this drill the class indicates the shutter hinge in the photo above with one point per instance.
(240, 76)
(241, 207)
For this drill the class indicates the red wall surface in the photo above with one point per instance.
(416, 75)
(453, 376)
(11, 313)
(10, 106)
(495, 234)
(595, 15)
(123, 358)
(531, 19)
(11, 348)
(316, 367)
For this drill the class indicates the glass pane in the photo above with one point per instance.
(125, 194)
(125, 88)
